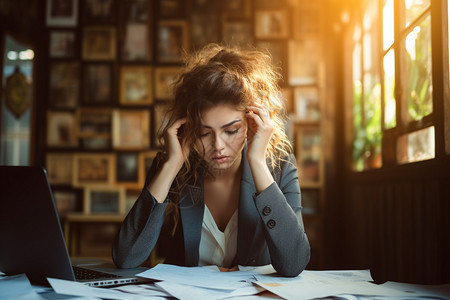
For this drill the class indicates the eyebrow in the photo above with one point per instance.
(224, 126)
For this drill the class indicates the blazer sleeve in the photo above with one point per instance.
(279, 206)
(140, 230)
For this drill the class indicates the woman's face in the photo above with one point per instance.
(223, 132)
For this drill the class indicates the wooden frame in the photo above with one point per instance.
(104, 199)
(62, 43)
(172, 40)
(307, 103)
(98, 84)
(67, 201)
(61, 130)
(59, 168)
(93, 169)
(128, 170)
(131, 129)
(93, 123)
(164, 78)
(62, 13)
(99, 43)
(309, 156)
(271, 24)
(137, 42)
(136, 85)
(305, 53)
(99, 11)
(64, 85)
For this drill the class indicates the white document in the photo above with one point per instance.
(17, 287)
(206, 277)
(66, 287)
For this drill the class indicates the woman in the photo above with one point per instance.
(225, 192)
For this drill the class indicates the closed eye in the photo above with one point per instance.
(232, 132)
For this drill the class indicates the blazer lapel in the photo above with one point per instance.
(191, 211)
(248, 217)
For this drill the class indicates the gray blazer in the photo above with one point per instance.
(270, 225)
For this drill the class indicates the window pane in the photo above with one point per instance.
(388, 24)
(418, 64)
(389, 90)
(416, 146)
(413, 9)
(372, 122)
(358, 140)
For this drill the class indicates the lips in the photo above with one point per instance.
(221, 159)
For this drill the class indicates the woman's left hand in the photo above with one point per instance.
(260, 129)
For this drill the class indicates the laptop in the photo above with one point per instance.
(31, 238)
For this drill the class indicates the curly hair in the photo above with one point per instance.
(223, 75)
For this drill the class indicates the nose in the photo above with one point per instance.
(219, 143)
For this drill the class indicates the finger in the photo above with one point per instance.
(258, 110)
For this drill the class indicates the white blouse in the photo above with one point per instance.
(217, 247)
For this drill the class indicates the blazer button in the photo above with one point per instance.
(266, 210)
(271, 223)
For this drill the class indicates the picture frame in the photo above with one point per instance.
(128, 170)
(62, 13)
(204, 29)
(62, 44)
(59, 168)
(67, 201)
(135, 11)
(237, 8)
(99, 43)
(172, 8)
(145, 162)
(104, 200)
(136, 44)
(172, 40)
(61, 130)
(272, 24)
(303, 52)
(98, 83)
(64, 85)
(309, 156)
(136, 85)
(99, 11)
(93, 123)
(131, 129)
(95, 143)
(164, 78)
(93, 169)
(238, 33)
(306, 103)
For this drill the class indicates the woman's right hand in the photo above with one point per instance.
(176, 150)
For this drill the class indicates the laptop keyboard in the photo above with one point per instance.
(86, 274)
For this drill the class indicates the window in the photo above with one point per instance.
(393, 120)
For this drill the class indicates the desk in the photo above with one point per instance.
(73, 222)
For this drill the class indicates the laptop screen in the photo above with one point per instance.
(31, 237)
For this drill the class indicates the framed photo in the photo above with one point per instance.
(309, 156)
(59, 168)
(61, 130)
(136, 44)
(99, 43)
(306, 103)
(104, 199)
(237, 8)
(145, 162)
(271, 24)
(96, 143)
(161, 118)
(172, 8)
(64, 84)
(238, 33)
(62, 44)
(172, 40)
(93, 123)
(128, 170)
(305, 53)
(164, 78)
(204, 30)
(131, 129)
(93, 169)
(67, 201)
(135, 11)
(99, 11)
(136, 85)
(62, 13)
(98, 83)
